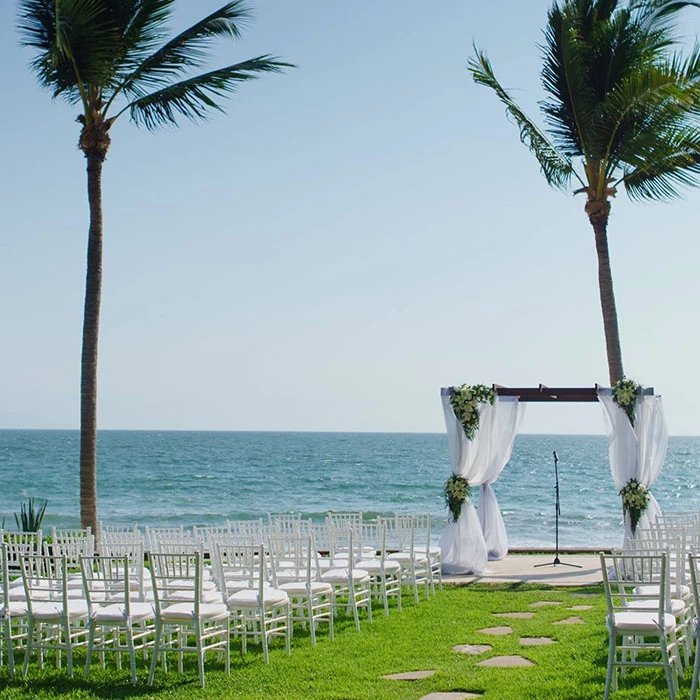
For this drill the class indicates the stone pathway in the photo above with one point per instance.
(409, 676)
(544, 603)
(570, 621)
(511, 661)
(498, 631)
(474, 649)
(506, 662)
(536, 641)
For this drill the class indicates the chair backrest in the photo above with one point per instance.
(4, 574)
(72, 544)
(120, 532)
(675, 541)
(240, 565)
(18, 544)
(153, 533)
(251, 529)
(694, 566)
(374, 540)
(133, 552)
(106, 580)
(45, 578)
(422, 531)
(343, 520)
(400, 533)
(207, 536)
(176, 578)
(283, 521)
(631, 577)
(173, 541)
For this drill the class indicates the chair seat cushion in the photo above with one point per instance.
(14, 608)
(299, 588)
(343, 575)
(405, 557)
(374, 566)
(77, 609)
(187, 595)
(249, 598)
(678, 607)
(117, 612)
(683, 591)
(642, 622)
(185, 611)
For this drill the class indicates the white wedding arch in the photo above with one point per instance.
(637, 443)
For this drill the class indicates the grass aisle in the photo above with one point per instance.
(419, 638)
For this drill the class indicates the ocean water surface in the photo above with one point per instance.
(201, 478)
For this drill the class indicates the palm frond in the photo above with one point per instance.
(643, 109)
(569, 66)
(196, 97)
(141, 24)
(659, 10)
(184, 51)
(674, 161)
(75, 40)
(556, 168)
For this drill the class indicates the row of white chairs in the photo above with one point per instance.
(653, 600)
(264, 588)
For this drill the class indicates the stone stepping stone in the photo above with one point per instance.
(544, 603)
(451, 696)
(497, 631)
(409, 676)
(516, 615)
(581, 607)
(570, 621)
(584, 595)
(474, 649)
(506, 662)
(536, 641)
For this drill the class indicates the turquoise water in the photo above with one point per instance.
(200, 478)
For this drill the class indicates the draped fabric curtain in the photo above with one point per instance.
(464, 548)
(636, 451)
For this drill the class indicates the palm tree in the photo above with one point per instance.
(621, 109)
(111, 57)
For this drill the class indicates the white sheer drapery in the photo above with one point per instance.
(636, 451)
(467, 544)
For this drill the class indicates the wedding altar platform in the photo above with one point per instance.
(532, 568)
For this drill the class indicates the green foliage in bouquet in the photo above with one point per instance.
(465, 402)
(456, 493)
(625, 393)
(635, 500)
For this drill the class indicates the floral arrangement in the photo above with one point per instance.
(635, 500)
(456, 493)
(625, 393)
(465, 402)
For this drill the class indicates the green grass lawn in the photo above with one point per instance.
(419, 638)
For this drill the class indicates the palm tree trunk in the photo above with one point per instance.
(88, 365)
(607, 298)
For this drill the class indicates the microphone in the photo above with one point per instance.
(556, 459)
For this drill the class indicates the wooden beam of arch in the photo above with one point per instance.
(559, 394)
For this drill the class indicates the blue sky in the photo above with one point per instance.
(346, 239)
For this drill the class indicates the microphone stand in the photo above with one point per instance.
(557, 513)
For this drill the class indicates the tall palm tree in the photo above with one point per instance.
(112, 57)
(621, 109)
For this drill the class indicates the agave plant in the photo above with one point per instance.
(31, 515)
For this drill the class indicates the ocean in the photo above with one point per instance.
(160, 478)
